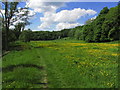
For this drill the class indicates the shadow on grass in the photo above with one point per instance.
(12, 67)
(16, 47)
(39, 47)
(40, 83)
(27, 80)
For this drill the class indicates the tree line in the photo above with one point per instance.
(10, 17)
(105, 27)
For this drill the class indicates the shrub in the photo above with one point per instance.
(25, 36)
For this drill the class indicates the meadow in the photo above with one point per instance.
(61, 64)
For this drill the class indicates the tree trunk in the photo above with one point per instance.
(6, 26)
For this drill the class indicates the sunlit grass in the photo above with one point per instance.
(68, 64)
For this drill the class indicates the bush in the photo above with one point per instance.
(11, 37)
(25, 36)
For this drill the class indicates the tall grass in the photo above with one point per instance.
(66, 64)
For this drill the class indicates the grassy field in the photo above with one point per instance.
(61, 64)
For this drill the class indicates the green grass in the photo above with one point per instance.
(64, 64)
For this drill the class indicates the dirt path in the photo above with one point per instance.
(44, 79)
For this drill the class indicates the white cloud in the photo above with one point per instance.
(2, 12)
(44, 26)
(34, 30)
(64, 17)
(61, 26)
(73, 15)
(77, 0)
(20, 17)
(59, 19)
(21, 12)
(12, 27)
(31, 13)
(93, 17)
(40, 6)
(18, 21)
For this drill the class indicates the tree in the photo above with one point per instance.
(20, 20)
(25, 36)
(111, 26)
(10, 8)
(64, 33)
(106, 26)
(89, 21)
(118, 3)
(14, 17)
(99, 32)
(79, 33)
(114, 34)
(104, 10)
(71, 33)
(88, 33)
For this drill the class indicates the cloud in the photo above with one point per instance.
(61, 26)
(44, 25)
(64, 17)
(20, 16)
(40, 6)
(2, 12)
(57, 19)
(21, 12)
(77, 0)
(18, 21)
(73, 15)
(34, 29)
(12, 27)
(93, 18)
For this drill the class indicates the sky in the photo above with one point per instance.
(55, 16)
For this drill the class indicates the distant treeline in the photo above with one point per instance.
(106, 27)
(47, 35)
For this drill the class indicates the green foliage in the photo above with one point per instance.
(47, 35)
(85, 31)
(104, 10)
(78, 33)
(88, 32)
(104, 28)
(114, 34)
(89, 21)
(25, 36)
(64, 33)
(10, 8)
(11, 37)
(113, 23)
(8, 35)
(105, 31)
(72, 33)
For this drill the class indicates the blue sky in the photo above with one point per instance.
(97, 6)
(40, 20)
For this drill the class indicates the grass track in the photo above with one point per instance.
(65, 64)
